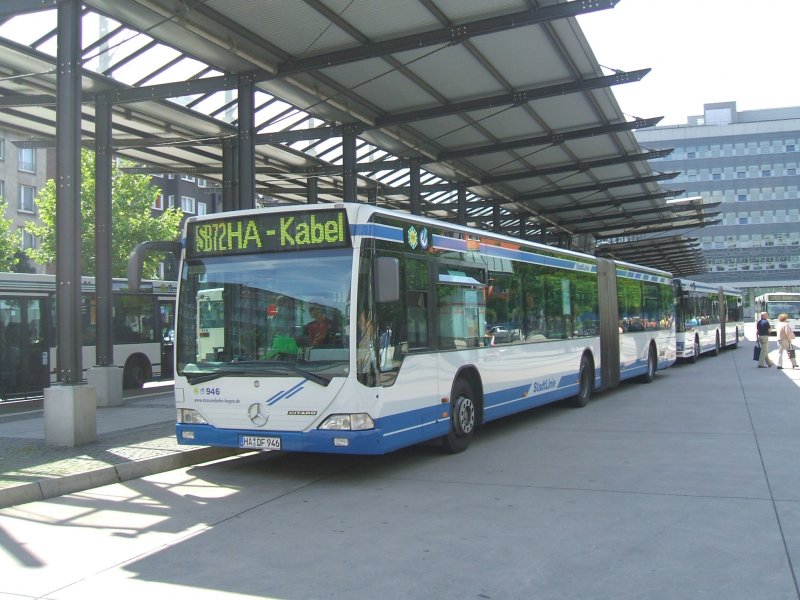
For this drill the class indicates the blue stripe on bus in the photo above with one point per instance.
(642, 276)
(393, 431)
(537, 259)
(377, 231)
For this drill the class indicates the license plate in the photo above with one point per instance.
(259, 442)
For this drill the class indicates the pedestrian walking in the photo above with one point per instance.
(763, 340)
(785, 338)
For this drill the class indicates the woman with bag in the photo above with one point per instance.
(785, 337)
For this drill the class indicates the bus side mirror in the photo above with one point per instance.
(386, 271)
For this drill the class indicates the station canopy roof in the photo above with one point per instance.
(502, 97)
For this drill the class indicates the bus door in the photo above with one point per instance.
(24, 349)
(166, 312)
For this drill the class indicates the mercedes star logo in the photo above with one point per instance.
(257, 417)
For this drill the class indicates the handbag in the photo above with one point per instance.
(790, 352)
(756, 352)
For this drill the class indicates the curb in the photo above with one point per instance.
(78, 482)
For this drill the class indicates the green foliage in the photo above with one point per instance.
(9, 242)
(131, 223)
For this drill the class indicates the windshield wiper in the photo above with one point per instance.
(203, 377)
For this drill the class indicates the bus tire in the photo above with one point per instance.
(715, 351)
(136, 372)
(736, 340)
(585, 383)
(463, 418)
(696, 354)
(652, 365)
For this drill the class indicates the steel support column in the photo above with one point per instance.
(350, 191)
(416, 196)
(102, 241)
(246, 196)
(495, 218)
(229, 187)
(523, 227)
(68, 192)
(462, 203)
(312, 190)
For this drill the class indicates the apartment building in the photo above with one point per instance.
(748, 161)
(23, 172)
(193, 195)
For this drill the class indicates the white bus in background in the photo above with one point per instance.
(777, 303)
(349, 328)
(142, 322)
(210, 324)
(709, 317)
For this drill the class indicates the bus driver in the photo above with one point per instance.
(321, 330)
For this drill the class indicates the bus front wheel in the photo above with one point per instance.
(696, 351)
(463, 418)
(652, 365)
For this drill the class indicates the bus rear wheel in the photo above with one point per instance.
(585, 383)
(463, 418)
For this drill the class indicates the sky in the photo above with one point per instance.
(700, 51)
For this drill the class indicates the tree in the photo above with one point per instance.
(9, 242)
(132, 222)
(22, 263)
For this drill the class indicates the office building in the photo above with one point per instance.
(747, 161)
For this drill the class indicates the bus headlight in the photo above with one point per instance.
(350, 422)
(189, 415)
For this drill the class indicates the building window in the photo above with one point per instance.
(766, 172)
(187, 204)
(202, 182)
(26, 195)
(716, 176)
(790, 147)
(741, 174)
(202, 208)
(27, 160)
(29, 241)
(2, 149)
(743, 220)
(170, 201)
(791, 171)
(158, 203)
(691, 155)
(187, 178)
(2, 189)
(741, 197)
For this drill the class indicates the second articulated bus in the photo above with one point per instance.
(708, 318)
(354, 329)
(777, 303)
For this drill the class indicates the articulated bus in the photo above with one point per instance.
(28, 358)
(777, 303)
(349, 328)
(708, 318)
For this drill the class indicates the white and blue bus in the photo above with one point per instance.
(709, 317)
(141, 325)
(777, 303)
(349, 328)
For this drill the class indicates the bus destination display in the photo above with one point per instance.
(269, 232)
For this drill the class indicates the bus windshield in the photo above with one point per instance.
(275, 315)
(777, 307)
